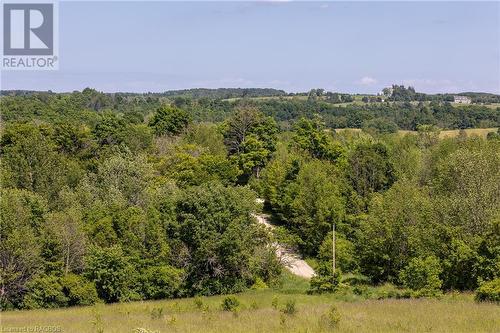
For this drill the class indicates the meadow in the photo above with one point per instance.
(481, 132)
(263, 311)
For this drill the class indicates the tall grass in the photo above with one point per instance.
(262, 311)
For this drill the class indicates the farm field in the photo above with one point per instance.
(452, 313)
(482, 132)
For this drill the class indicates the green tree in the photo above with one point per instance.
(217, 227)
(251, 138)
(30, 161)
(109, 130)
(422, 276)
(112, 273)
(370, 169)
(20, 251)
(169, 120)
(401, 225)
(311, 136)
(159, 282)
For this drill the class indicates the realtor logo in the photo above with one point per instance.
(29, 36)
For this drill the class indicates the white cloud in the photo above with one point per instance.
(367, 81)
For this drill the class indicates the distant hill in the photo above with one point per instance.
(224, 93)
(195, 93)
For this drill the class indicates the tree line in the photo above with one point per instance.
(107, 205)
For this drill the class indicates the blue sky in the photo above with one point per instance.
(295, 46)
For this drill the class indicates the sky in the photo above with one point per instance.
(354, 47)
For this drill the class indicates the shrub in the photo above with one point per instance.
(157, 313)
(161, 282)
(274, 302)
(259, 284)
(331, 318)
(44, 292)
(389, 290)
(78, 290)
(325, 281)
(230, 303)
(254, 305)
(112, 274)
(290, 308)
(198, 302)
(356, 279)
(489, 291)
(422, 276)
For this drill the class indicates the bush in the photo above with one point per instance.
(356, 279)
(230, 303)
(290, 308)
(112, 274)
(422, 276)
(330, 318)
(325, 281)
(157, 313)
(161, 282)
(44, 292)
(198, 302)
(259, 284)
(274, 302)
(489, 291)
(78, 290)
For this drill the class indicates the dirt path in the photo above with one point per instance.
(289, 258)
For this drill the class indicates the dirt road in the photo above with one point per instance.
(289, 258)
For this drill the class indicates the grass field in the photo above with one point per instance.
(452, 313)
(482, 132)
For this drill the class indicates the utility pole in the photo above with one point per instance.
(333, 248)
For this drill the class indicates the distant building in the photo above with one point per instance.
(461, 99)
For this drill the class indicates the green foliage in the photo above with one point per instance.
(399, 227)
(159, 282)
(157, 313)
(310, 135)
(345, 253)
(21, 221)
(198, 302)
(113, 275)
(49, 291)
(217, 226)
(325, 281)
(230, 303)
(109, 130)
(78, 290)
(385, 291)
(370, 169)
(380, 126)
(31, 161)
(274, 302)
(250, 138)
(290, 307)
(44, 292)
(169, 121)
(307, 196)
(422, 276)
(259, 284)
(489, 291)
(93, 203)
(331, 318)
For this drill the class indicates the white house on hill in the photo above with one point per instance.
(461, 99)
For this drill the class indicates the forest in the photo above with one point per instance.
(121, 197)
